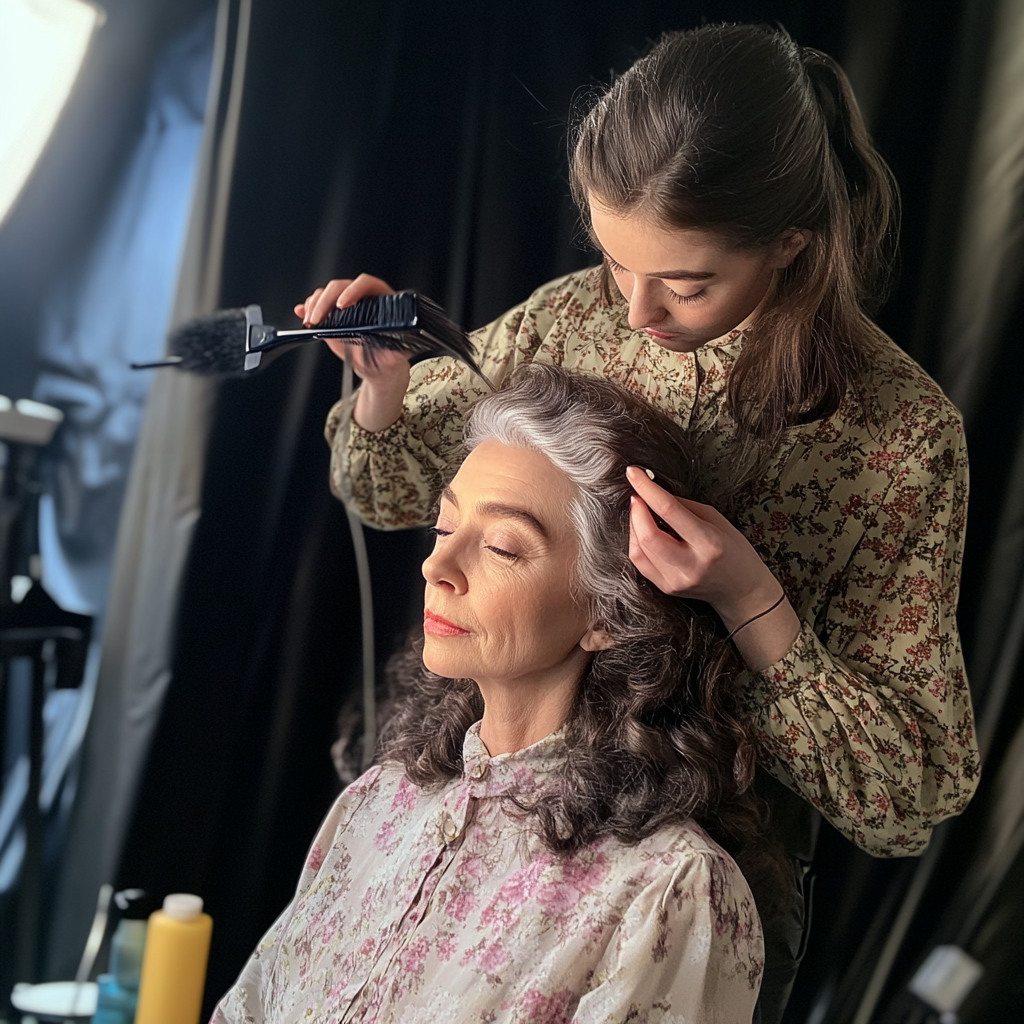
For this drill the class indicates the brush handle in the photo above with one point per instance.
(157, 363)
(259, 355)
(405, 324)
(415, 348)
(263, 337)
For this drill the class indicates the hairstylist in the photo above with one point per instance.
(743, 215)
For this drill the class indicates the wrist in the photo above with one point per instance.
(379, 404)
(768, 637)
(760, 615)
(735, 611)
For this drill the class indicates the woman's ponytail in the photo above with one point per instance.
(870, 186)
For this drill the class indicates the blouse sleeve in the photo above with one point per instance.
(688, 951)
(869, 716)
(251, 999)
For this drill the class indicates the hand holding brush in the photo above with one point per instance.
(399, 327)
(386, 379)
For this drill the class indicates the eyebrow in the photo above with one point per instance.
(666, 275)
(501, 510)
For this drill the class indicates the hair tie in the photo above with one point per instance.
(759, 615)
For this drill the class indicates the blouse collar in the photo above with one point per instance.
(520, 771)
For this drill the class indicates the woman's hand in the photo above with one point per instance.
(710, 561)
(386, 378)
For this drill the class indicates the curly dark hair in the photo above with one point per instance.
(653, 736)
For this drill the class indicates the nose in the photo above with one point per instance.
(441, 568)
(645, 304)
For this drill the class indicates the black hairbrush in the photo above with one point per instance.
(236, 341)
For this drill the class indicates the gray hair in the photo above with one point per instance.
(654, 735)
(591, 429)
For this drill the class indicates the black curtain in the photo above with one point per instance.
(425, 144)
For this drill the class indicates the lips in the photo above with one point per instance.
(437, 625)
(658, 334)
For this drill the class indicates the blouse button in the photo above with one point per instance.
(478, 771)
(449, 829)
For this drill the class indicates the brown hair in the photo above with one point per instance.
(654, 735)
(738, 130)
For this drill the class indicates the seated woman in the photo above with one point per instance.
(532, 846)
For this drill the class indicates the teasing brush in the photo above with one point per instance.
(234, 342)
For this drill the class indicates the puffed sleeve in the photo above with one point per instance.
(251, 1000)
(690, 950)
(397, 473)
(869, 715)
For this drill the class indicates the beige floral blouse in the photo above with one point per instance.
(441, 907)
(868, 716)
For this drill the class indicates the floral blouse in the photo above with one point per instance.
(868, 716)
(434, 907)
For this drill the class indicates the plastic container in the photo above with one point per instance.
(174, 964)
(126, 952)
(118, 993)
(114, 1004)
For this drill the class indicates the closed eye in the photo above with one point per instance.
(701, 296)
(511, 556)
(695, 297)
(504, 554)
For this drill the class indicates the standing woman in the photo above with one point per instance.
(744, 219)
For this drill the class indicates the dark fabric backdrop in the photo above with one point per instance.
(425, 143)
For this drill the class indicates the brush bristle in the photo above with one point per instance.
(400, 322)
(211, 345)
(395, 312)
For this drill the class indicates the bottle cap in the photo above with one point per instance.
(183, 906)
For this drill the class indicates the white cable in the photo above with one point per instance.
(363, 572)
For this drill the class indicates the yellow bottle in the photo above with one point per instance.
(174, 963)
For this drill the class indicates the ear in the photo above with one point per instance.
(596, 640)
(788, 246)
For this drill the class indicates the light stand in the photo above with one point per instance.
(32, 626)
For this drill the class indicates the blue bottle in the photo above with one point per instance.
(118, 991)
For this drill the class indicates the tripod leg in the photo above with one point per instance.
(29, 902)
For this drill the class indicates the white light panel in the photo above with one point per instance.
(42, 43)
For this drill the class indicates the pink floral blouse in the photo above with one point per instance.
(444, 906)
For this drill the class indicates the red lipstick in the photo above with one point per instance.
(436, 625)
(658, 334)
